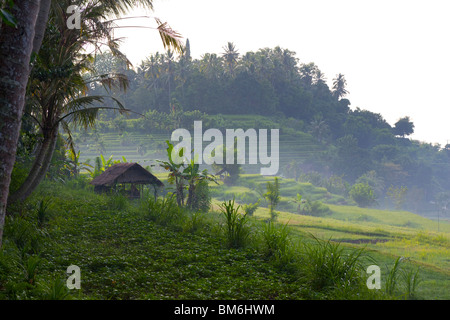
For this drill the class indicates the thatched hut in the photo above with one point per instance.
(131, 177)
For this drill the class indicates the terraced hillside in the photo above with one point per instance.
(146, 148)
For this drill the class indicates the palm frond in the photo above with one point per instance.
(111, 80)
(79, 115)
(69, 141)
(169, 37)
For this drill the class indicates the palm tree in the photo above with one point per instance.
(231, 57)
(211, 66)
(184, 67)
(59, 82)
(308, 72)
(318, 128)
(319, 78)
(168, 67)
(151, 71)
(339, 86)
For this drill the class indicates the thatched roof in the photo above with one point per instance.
(126, 173)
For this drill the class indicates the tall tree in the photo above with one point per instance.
(231, 57)
(41, 24)
(339, 87)
(211, 66)
(403, 127)
(16, 44)
(169, 66)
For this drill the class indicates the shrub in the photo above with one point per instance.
(318, 208)
(314, 208)
(24, 234)
(194, 222)
(30, 267)
(250, 208)
(362, 194)
(164, 211)
(202, 197)
(56, 290)
(80, 182)
(118, 201)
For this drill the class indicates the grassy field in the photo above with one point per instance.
(385, 234)
(126, 251)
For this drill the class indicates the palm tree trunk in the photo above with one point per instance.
(15, 52)
(38, 163)
(41, 173)
(41, 24)
(191, 196)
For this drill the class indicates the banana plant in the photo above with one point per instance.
(194, 176)
(184, 174)
(175, 172)
(101, 164)
(299, 201)
(73, 164)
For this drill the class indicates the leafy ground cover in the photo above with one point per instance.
(125, 251)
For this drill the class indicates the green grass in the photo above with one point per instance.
(152, 250)
(124, 252)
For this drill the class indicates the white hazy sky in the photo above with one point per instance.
(394, 54)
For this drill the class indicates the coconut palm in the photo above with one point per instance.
(169, 66)
(319, 128)
(339, 86)
(16, 43)
(231, 57)
(308, 73)
(211, 66)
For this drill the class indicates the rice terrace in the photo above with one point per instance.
(198, 174)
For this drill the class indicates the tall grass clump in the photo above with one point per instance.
(194, 221)
(42, 211)
(164, 211)
(402, 281)
(330, 267)
(277, 246)
(118, 201)
(236, 229)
